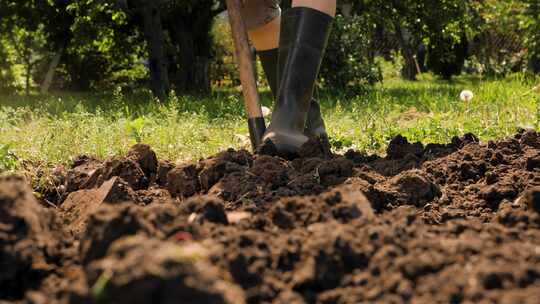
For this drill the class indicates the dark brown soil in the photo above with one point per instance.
(453, 223)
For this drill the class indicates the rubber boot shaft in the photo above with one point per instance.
(269, 62)
(304, 35)
(314, 124)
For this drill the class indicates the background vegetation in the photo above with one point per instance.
(89, 45)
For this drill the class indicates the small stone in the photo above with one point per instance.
(237, 216)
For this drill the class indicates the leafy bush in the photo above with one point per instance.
(223, 70)
(349, 62)
(105, 48)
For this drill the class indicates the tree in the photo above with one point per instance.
(414, 22)
(178, 36)
(188, 25)
(349, 63)
(399, 17)
(497, 37)
(24, 33)
(6, 59)
(446, 56)
(85, 42)
(148, 13)
(445, 26)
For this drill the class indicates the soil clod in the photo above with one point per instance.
(441, 223)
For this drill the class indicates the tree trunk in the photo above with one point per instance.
(410, 69)
(534, 63)
(27, 77)
(192, 43)
(192, 75)
(50, 73)
(153, 31)
(77, 68)
(202, 74)
(421, 56)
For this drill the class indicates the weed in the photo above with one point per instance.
(8, 160)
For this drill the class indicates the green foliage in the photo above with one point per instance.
(438, 24)
(105, 46)
(97, 44)
(340, 143)
(102, 45)
(349, 63)
(23, 41)
(30, 48)
(223, 70)
(98, 290)
(497, 37)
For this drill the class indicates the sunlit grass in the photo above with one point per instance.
(430, 111)
(54, 129)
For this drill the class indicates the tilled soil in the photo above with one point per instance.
(453, 223)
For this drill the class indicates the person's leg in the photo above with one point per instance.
(304, 34)
(266, 42)
(266, 37)
(263, 22)
(325, 6)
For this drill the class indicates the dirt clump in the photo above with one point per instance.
(206, 208)
(138, 170)
(183, 181)
(125, 168)
(79, 205)
(532, 199)
(138, 269)
(30, 240)
(411, 187)
(400, 147)
(164, 167)
(146, 158)
(109, 223)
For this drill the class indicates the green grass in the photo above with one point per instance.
(53, 129)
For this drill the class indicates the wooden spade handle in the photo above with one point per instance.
(252, 99)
